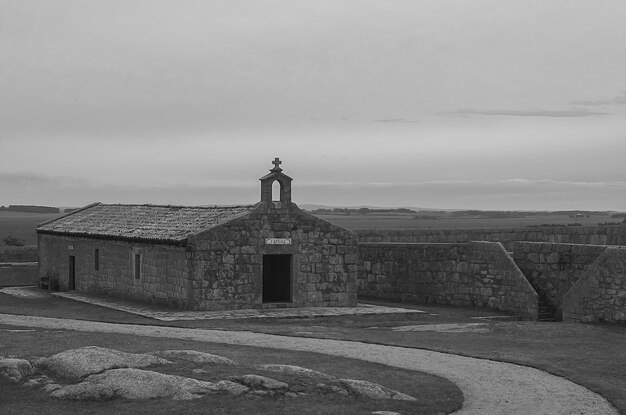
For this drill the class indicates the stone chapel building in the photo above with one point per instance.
(271, 254)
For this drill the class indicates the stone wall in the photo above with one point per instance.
(593, 235)
(18, 254)
(479, 274)
(228, 260)
(163, 275)
(600, 294)
(553, 268)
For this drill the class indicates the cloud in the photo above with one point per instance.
(570, 113)
(27, 180)
(396, 121)
(619, 99)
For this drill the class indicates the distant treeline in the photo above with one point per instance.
(508, 214)
(30, 209)
(363, 211)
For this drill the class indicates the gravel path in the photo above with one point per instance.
(489, 387)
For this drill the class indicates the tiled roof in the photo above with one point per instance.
(165, 224)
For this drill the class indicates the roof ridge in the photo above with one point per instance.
(69, 213)
(174, 206)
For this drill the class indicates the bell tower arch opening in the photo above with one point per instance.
(276, 191)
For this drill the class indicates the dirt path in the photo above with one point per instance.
(489, 387)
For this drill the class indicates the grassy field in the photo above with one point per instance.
(22, 225)
(409, 221)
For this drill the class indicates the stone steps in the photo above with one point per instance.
(546, 312)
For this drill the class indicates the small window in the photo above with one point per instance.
(137, 266)
(96, 260)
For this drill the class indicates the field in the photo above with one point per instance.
(358, 221)
(22, 225)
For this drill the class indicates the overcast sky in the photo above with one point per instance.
(439, 104)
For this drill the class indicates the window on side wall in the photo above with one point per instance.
(137, 266)
(96, 260)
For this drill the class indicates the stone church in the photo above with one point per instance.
(267, 255)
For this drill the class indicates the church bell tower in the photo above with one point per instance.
(276, 175)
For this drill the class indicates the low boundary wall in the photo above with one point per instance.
(480, 274)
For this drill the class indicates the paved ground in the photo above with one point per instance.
(173, 315)
(489, 387)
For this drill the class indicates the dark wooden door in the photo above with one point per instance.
(72, 274)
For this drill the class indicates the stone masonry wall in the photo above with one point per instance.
(600, 294)
(228, 260)
(594, 235)
(163, 278)
(552, 269)
(479, 274)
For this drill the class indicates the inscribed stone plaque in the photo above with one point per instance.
(277, 241)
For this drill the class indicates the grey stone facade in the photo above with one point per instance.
(228, 260)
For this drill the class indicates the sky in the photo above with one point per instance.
(451, 104)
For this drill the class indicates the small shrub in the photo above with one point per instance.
(13, 241)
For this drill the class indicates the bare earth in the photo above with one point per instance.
(489, 387)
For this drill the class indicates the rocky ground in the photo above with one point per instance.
(97, 374)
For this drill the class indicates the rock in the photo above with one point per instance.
(90, 360)
(50, 387)
(231, 387)
(145, 384)
(15, 369)
(372, 390)
(194, 356)
(131, 383)
(294, 370)
(256, 381)
(84, 391)
(38, 381)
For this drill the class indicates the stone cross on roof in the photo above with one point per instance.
(277, 164)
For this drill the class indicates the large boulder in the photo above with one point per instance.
(294, 370)
(371, 390)
(260, 382)
(143, 384)
(15, 369)
(89, 360)
(194, 356)
(84, 391)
